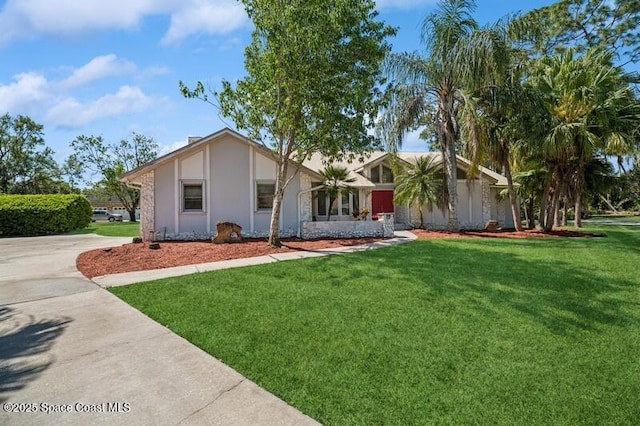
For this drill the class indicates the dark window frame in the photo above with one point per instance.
(193, 203)
(264, 201)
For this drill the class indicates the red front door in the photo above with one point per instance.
(381, 202)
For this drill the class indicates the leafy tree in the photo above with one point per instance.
(420, 183)
(313, 71)
(584, 24)
(624, 192)
(96, 192)
(72, 169)
(24, 168)
(592, 110)
(459, 57)
(336, 183)
(531, 182)
(109, 161)
(599, 178)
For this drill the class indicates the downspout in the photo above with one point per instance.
(304, 191)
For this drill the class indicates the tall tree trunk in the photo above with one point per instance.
(274, 226)
(421, 219)
(515, 208)
(557, 197)
(577, 220)
(452, 183)
(132, 215)
(447, 131)
(579, 184)
(532, 212)
(565, 208)
(553, 211)
(544, 205)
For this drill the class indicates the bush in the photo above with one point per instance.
(29, 215)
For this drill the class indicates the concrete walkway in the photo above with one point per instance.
(126, 278)
(68, 345)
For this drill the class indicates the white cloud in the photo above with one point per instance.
(98, 68)
(22, 18)
(56, 102)
(203, 16)
(69, 112)
(25, 92)
(33, 18)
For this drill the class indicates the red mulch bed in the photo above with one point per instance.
(138, 257)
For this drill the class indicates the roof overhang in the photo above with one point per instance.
(132, 177)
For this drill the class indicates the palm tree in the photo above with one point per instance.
(421, 183)
(459, 56)
(592, 110)
(531, 180)
(336, 183)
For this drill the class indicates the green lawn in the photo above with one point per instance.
(111, 229)
(455, 331)
(618, 218)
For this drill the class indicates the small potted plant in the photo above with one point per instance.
(364, 212)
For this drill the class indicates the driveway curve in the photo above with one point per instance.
(37, 268)
(72, 353)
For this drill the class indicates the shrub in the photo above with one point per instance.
(29, 215)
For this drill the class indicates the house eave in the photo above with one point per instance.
(132, 175)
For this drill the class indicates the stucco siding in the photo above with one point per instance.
(290, 205)
(230, 184)
(493, 202)
(164, 199)
(507, 217)
(470, 204)
(288, 212)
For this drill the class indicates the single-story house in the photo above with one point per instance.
(111, 204)
(228, 178)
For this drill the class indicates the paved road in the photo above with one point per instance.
(66, 344)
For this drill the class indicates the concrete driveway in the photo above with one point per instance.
(72, 349)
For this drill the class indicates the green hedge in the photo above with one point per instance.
(28, 215)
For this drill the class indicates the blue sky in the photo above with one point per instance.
(108, 68)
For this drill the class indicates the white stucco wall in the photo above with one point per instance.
(229, 168)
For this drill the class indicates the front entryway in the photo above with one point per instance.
(381, 202)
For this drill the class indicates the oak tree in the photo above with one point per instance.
(109, 161)
(313, 72)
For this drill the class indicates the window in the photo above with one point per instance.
(322, 203)
(264, 194)
(387, 175)
(344, 205)
(192, 197)
(375, 174)
(381, 174)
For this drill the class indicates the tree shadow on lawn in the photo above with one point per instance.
(24, 346)
(562, 296)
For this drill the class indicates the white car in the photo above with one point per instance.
(105, 215)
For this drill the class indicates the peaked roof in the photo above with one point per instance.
(317, 163)
(195, 143)
(313, 165)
